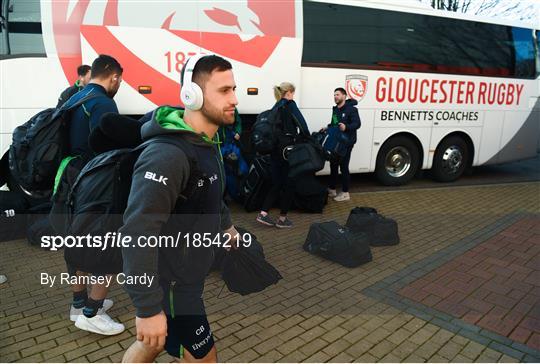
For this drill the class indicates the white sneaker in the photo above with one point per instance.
(76, 312)
(3, 279)
(101, 324)
(332, 193)
(343, 196)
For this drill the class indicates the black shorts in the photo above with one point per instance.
(187, 325)
(191, 333)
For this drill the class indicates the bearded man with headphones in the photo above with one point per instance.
(177, 190)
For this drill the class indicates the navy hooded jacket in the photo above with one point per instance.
(348, 115)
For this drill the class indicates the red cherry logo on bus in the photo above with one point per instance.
(265, 21)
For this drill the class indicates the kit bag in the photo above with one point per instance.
(380, 230)
(335, 242)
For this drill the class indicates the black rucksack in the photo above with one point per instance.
(274, 130)
(335, 242)
(39, 145)
(380, 230)
(99, 197)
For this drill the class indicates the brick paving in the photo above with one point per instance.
(495, 285)
(323, 312)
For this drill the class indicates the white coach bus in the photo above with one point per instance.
(435, 90)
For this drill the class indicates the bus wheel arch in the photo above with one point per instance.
(399, 159)
(453, 156)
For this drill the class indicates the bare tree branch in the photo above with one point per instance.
(509, 9)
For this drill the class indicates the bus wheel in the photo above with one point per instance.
(450, 160)
(397, 161)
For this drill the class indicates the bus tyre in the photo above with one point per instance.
(397, 161)
(451, 159)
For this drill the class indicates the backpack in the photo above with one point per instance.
(274, 130)
(236, 169)
(98, 198)
(39, 145)
(335, 242)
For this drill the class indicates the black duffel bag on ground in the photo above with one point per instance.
(335, 242)
(380, 230)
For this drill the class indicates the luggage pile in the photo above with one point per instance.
(310, 195)
(350, 245)
(305, 155)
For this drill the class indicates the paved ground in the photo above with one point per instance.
(463, 285)
(523, 171)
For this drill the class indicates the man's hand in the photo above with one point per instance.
(342, 127)
(151, 331)
(237, 136)
(235, 238)
(323, 130)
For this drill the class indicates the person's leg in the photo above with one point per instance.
(287, 189)
(272, 195)
(344, 167)
(287, 196)
(345, 177)
(189, 336)
(94, 318)
(138, 352)
(80, 298)
(211, 357)
(80, 294)
(333, 179)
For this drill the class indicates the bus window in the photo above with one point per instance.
(356, 37)
(21, 33)
(524, 52)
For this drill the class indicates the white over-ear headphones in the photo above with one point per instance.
(191, 94)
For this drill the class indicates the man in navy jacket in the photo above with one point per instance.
(345, 116)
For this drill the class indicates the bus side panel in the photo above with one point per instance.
(491, 136)
(363, 149)
(145, 53)
(519, 140)
(29, 85)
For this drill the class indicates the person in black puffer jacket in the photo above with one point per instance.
(345, 116)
